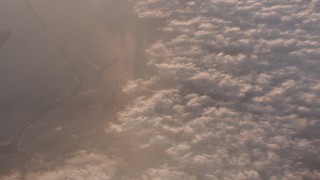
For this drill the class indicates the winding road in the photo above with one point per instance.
(84, 96)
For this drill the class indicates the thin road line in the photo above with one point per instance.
(102, 72)
(114, 96)
(35, 13)
(4, 36)
(23, 131)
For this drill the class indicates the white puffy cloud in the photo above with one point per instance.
(236, 96)
(243, 93)
(139, 85)
(166, 173)
(81, 165)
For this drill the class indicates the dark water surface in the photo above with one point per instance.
(62, 64)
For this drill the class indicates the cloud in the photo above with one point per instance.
(139, 85)
(81, 165)
(166, 173)
(244, 95)
(236, 96)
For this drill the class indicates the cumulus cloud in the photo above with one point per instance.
(81, 165)
(236, 96)
(244, 94)
(139, 85)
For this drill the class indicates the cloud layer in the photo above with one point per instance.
(80, 166)
(242, 92)
(236, 96)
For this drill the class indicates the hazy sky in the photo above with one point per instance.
(234, 94)
(62, 66)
